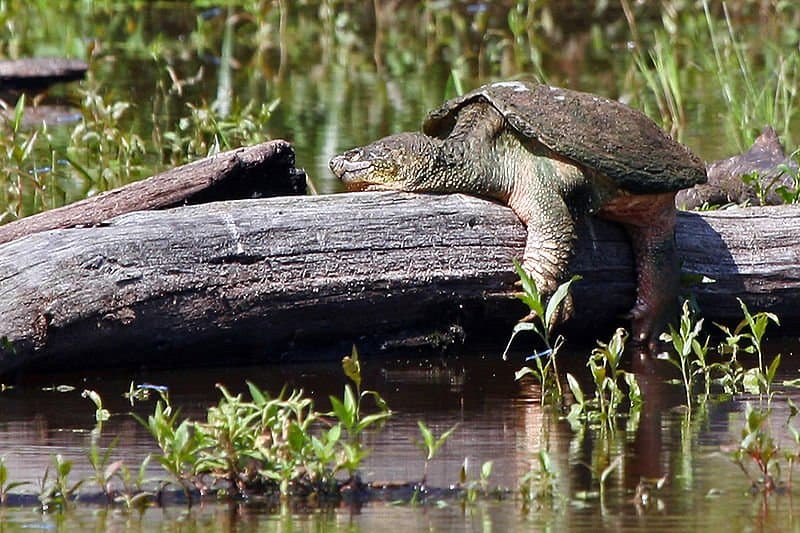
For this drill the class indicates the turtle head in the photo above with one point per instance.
(397, 162)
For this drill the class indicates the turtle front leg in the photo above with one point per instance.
(549, 246)
(650, 222)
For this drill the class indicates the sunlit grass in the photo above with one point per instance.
(219, 77)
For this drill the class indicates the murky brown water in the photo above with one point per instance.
(499, 420)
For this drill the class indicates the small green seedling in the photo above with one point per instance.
(431, 444)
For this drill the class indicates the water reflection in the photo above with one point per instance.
(499, 420)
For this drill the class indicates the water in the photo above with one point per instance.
(498, 420)
(335, 95)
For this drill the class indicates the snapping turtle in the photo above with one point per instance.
(550, 154)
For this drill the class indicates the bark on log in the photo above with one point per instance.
(258, 280)
(262, 170)
(39, 73)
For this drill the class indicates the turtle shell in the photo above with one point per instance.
(585, 129)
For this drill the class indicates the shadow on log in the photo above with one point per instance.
(261, 280)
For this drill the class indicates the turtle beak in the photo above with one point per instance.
(351, 169)
(345, 169)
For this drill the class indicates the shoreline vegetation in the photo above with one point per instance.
(216, 79)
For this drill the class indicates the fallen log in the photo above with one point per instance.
(261, 170)
(39, 72)
(258, 280)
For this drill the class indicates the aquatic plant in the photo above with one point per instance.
(56, 492)
(6, 486)
(751, 330)
(100, 414)
(539, 485)
(431, 444)
(132, 493)
(475, 487)
(604, 407)
(267, 444)
(690, 356)
(179, 443)
(758, 445)
(541, 320)
(104, 470)
(348, 412)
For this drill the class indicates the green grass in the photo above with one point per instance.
(314, 64)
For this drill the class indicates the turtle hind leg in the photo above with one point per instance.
(650, 222)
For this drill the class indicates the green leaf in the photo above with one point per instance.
(369, 420)
(352, 367)
(255, 393)
(556, 299)
(773, 368)
(19, 111)
(575, 411)
(752, 381)
(530, 295)
(297, 438)
(350, 402)
(486, 469)
(345, 416)
(522, 372)
(14, 485)
(334, 434)
(380, 403)
(427, 437)
(575, 387)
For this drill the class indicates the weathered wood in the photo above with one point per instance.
(765, 161)
(262, 170)
(39, 73)
(259, 279)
